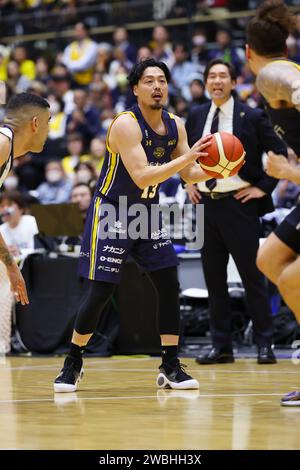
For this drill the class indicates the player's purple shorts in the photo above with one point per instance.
(107, 241)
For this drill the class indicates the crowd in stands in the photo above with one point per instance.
(85, 81)
(86, 85)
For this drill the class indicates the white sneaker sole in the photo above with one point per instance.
(290, 403)
(163, 382)
(67, 388)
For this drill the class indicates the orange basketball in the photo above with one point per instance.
(226, 155)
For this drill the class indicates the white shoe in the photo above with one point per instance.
(177, 379)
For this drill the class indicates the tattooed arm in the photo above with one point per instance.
(279, 83)
(17, 283)
(5, 255)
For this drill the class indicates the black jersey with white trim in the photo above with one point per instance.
(286, 121)
(6, 167)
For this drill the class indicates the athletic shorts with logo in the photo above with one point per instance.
(106, 246)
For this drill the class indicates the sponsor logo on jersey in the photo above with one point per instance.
(158, 245)
(159, 152)
(163, 233)
(117, 228)
(113, 249)
(108, 269)
(109, 259)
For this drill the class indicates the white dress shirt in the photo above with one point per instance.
(233, 183)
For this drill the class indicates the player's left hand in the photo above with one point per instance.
(251, 192)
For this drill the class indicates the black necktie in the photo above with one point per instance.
(215, 121)
(212, 183)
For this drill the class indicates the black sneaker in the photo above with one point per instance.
(69, 376)
(265, 355)
(215, 357)
(176, 378)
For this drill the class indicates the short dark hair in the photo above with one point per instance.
(268, 30)
(91, 186)
(224, 30)
(14, 196)
(85, 25)
(182, 45)
(139, 68)
(86, 185)
(26, 99)
(213, 62)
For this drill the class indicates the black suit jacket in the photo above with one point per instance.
(255, 131)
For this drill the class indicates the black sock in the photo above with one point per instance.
(75, 353)
(169, 355)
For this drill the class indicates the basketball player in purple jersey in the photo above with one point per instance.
(145, 146)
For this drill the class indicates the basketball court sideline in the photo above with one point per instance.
(118, 406)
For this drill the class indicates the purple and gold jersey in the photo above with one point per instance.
(106, 246)
(115, 180)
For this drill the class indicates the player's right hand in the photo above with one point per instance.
(197, 150)
(17, 284)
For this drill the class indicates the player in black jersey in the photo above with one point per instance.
(25, 130)
(278, 80)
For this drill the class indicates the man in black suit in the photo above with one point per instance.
(232, 210)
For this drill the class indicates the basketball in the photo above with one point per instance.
(226, 155)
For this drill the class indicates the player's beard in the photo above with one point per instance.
(156, 106)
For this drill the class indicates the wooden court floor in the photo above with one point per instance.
(119, 407)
